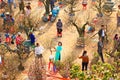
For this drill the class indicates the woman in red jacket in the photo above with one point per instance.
(85, 60)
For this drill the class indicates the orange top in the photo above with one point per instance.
(84, 58)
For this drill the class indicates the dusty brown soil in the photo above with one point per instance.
(69, 38)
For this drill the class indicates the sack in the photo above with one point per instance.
(45, 19)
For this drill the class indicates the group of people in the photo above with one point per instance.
(16, 38)
(22, 8)
(8, 21)
(39, 49)
(57, 57)
(100, 47)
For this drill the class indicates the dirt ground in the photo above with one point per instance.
(69, 38)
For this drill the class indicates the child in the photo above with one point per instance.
(59, 28)
(7, 36)
(50, 65)
(13, 38)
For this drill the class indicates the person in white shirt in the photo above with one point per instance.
(51, 63)
(38, 52)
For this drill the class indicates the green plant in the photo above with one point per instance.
(103, 71)
(95, 58)
(59, 65)
(75, 71)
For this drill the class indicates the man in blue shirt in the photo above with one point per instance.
(32, 38)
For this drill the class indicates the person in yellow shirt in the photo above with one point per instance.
(118, 16)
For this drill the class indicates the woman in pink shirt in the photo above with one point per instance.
(19, 39)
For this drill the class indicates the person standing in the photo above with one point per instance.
(6, 21)
(38, 52)
(10, 2)
(14, 3)
(0, 39)
(19, 39)
(84, 4)
(52, 4)
(59, 28)
(13, 38)
(28, 9)
(51, 63)
(116, 37)
(58, 52)
(32, 38)
(102, 33)
(118, 16)
(21, 6)
(118, 44)
(100, 49)
(85, 60)
(7, 37)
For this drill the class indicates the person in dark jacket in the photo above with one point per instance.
(100, 49)
(59, 28)
(32, 38)
(102, 33)
(52, 4)
(21, 6)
